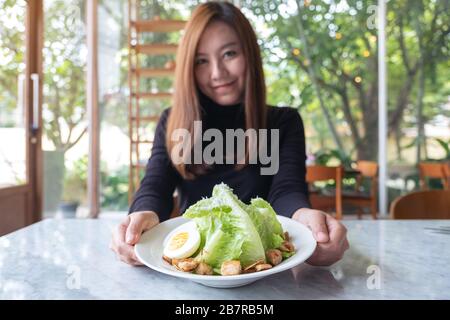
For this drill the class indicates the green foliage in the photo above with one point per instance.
(64, 104)
(114, 191)
(340, 50)
(114, 194)
(75, 182)
(446, 146)
(12, 50)
(338, 157)
(334, 157)
(63, 67)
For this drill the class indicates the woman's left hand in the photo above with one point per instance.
(330, 234)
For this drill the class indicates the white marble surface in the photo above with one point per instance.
(70, 259)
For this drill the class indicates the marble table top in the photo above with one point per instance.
(70, 259)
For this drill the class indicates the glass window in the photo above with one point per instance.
(12, 115)
(419, 91)
(64, 142)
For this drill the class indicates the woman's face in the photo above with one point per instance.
(220, 64)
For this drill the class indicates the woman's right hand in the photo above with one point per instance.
(128, 233)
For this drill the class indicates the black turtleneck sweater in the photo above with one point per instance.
(286, 190)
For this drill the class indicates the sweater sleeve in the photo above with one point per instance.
(289, 190)
(155, 192)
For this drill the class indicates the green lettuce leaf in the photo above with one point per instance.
(266, 222)
(226, 229)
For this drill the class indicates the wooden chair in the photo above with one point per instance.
(428, 204)
(434, 170)
(447, 175)
(318, 201)
(367, 169)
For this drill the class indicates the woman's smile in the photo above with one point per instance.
(225, 87)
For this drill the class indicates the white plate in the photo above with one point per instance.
(149, 251)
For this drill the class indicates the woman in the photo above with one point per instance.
(219, 81)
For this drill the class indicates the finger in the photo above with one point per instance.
(118, 238)
(138, 224)
(134, 258)
(129, 261)
(126, 252)
(338, 232)
(122, 228)
(137, 262)
(319, 257)
(126, 256)
(318, 225)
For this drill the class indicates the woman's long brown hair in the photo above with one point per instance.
(186, 109)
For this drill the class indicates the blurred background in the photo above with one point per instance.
(319, 57)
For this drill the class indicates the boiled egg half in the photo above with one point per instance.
(182, 242)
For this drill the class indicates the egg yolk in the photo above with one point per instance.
(178, 240)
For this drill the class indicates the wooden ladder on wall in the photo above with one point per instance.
(136, 73)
